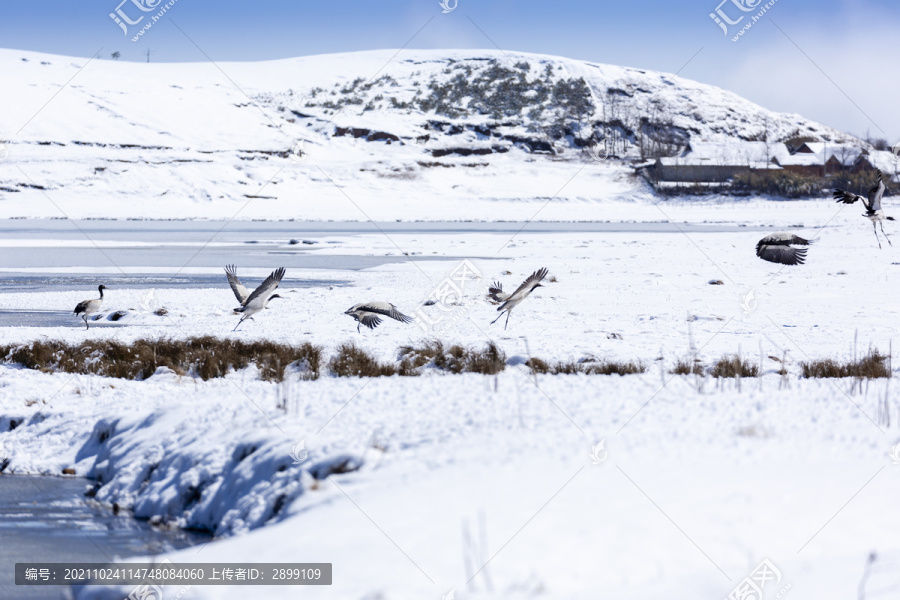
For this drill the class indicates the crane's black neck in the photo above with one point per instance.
(101, 291)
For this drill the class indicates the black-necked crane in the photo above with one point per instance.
(872, 204)
(779, 248)
(513, 300)
(257, 300)
(89, 307)
(370, 313)
(495, 294)
(240, 292)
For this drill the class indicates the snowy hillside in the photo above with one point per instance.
(426, 134)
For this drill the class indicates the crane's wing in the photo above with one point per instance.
(536, 277)
(267, 287)
(799, 241)
(784, 255)
(240, 292)
(386, 309)
(496, 293)
(876, 193)
(370, 321)
(784, 239)
(847, 197)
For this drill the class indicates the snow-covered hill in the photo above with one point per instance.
(423, 134)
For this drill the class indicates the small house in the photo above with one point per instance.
(703, 162)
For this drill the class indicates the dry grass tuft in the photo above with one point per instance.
(413, 359)
(537, 365)
(825, 368)
(205, 357)
(588, 367)
(610, 367)
(684, 366)
(873, 365)
(734, 366)
(488, 361)
(353, 361)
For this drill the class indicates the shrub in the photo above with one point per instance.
(779, 183)
(860, 183)
(734, 366)
(537, 365)
(684, 366)
(489, 361)
(608, 367)
(873, 365)
(588, 367)
(206, 357)
(352, 361)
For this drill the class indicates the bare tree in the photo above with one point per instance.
(115, 55)
(845, 153)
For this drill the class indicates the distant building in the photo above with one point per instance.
(819, 159)
(887, 162)
(714, 165)
(702, 162)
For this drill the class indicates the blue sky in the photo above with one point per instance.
(814, 57)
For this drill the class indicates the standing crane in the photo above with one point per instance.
(89, 307)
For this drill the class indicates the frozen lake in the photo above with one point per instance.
(37, 253)
(40, 255)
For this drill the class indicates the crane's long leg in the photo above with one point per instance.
(875, 229)
(881, 223)
(239, 324)
(498, 318)
(358, 323)
(509, 312)
(86, 326)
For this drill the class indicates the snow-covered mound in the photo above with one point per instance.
(694, 492)
(310, 137)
